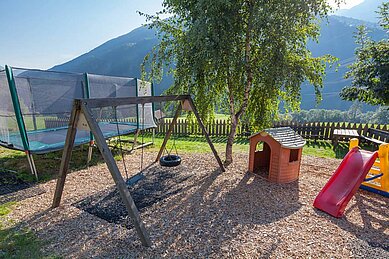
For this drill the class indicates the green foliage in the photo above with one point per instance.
(370, 71)
(248, 54)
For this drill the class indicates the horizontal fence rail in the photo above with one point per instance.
(325, 130)
(221, 127)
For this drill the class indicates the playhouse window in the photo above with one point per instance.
(259, 146)
(294, 155)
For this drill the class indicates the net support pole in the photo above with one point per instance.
(16, 106)
(90, 152)
(19, 118)
(87, 96)
(116, 175)
(135, 142)
(32, 164)
(153, 137)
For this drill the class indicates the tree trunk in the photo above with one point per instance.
(230, 140)
(235, 117)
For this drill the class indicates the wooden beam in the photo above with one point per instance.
(117, 101)
(116, 175)
(67, 153)
(169, 132)
(205, 132)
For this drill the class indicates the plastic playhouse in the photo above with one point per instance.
(359, 168)
(280, 155)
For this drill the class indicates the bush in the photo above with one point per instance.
(354, 115)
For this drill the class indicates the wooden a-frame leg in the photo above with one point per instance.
(205, 132)
(117, 177)
(169, 132)
(67, 153)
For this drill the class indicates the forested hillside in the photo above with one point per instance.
(123, 55)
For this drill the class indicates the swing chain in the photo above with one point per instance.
(143, 127)
(174, 142)
(120, 142)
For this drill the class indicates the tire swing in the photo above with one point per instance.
(170, 160)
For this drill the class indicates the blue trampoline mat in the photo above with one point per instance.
(48, 140)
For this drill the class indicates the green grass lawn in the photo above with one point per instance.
(198, 144)
(48, 164)
(218, 116)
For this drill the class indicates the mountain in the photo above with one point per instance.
(120, 56)
(123, 55)
(364, 11)
(337, 39)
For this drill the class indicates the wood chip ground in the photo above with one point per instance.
(232, 214)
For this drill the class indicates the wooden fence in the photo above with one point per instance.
(218, 128)
(325, 130)
(183, 127)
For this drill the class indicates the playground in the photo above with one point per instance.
(195, 210)
(156, 202)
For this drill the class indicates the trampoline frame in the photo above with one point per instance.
(25, 135)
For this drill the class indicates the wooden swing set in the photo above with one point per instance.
(82, 118)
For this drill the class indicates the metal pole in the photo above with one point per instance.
(32, 164)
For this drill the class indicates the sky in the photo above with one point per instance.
(45, 33)
(348, 3)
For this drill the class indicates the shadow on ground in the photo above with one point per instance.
(374, 222)
(155, 186)
(16, 164)
(15, 189)
(200, 208)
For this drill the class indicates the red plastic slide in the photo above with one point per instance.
(344, 183)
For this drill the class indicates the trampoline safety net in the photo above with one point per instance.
(9, 131)
(45, 99)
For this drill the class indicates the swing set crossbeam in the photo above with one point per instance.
(82, 117)
(118, 101)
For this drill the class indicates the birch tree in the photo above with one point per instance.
(248, 54)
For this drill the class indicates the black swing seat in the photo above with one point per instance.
(170, 160)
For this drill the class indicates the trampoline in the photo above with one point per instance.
(35, 108)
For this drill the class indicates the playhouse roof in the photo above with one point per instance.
(287, 137)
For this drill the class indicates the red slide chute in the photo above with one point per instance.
(344, 183)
